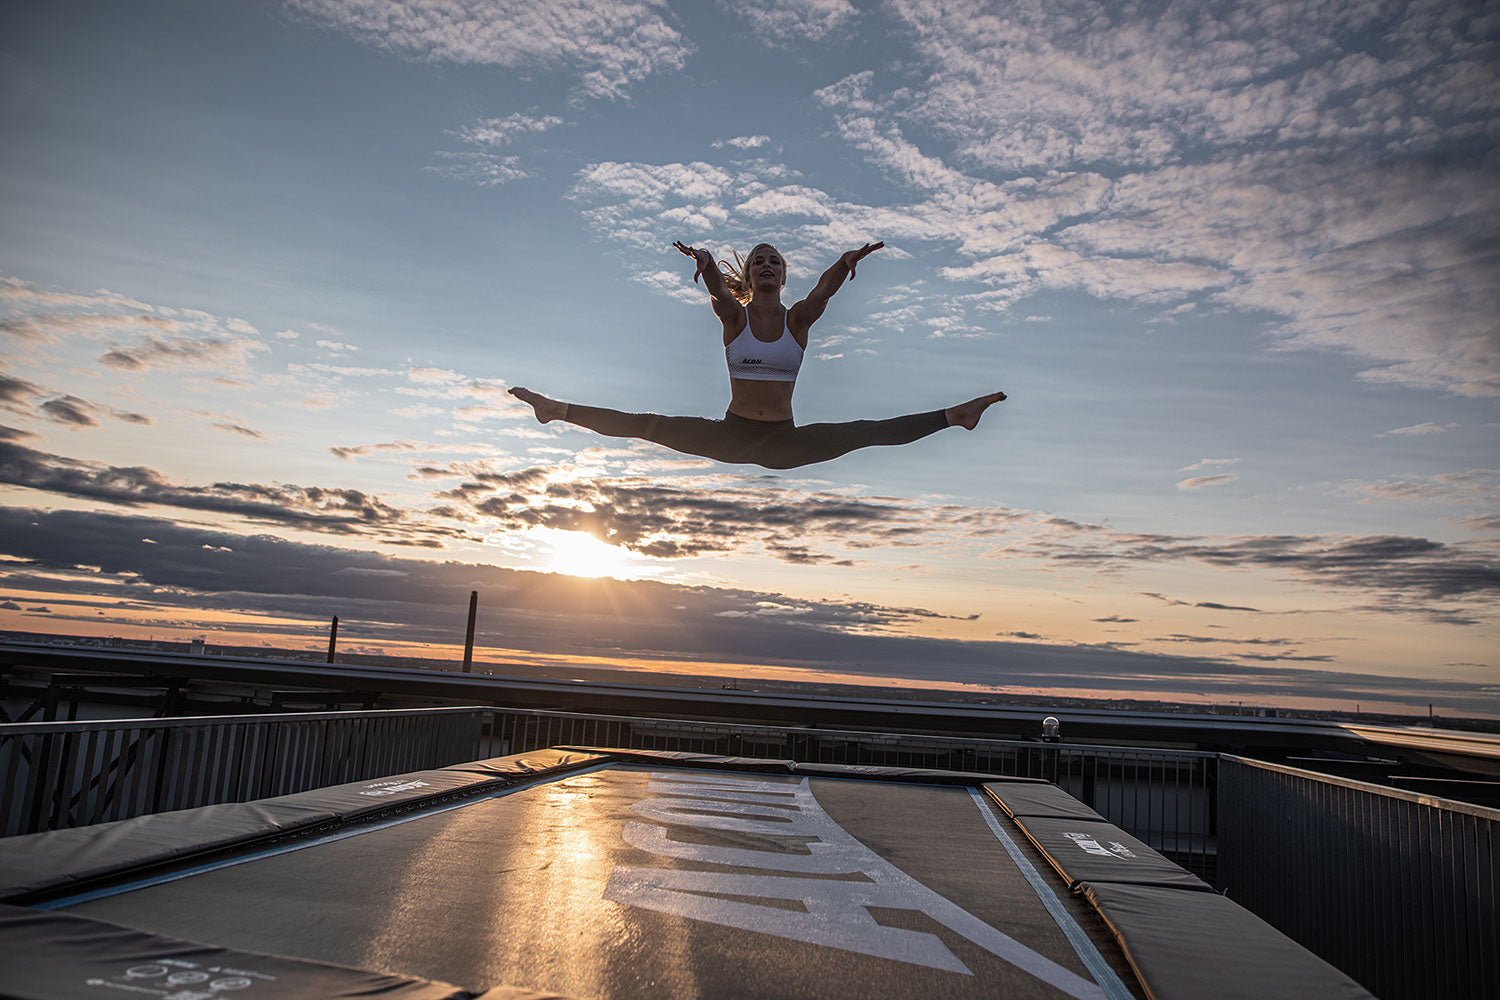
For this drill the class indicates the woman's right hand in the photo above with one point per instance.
(703, 258)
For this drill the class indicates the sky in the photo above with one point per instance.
(267, 270)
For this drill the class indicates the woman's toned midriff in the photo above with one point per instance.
(758, 400)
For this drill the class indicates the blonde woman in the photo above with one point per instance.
(764, 343)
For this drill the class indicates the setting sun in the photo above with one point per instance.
(578, 554)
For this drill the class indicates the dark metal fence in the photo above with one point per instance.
(1397, 889)
(1163, 797)
(64, 774)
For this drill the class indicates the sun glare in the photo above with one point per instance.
(577, 554)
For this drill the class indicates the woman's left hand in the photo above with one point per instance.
(855, 256)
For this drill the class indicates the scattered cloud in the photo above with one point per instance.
(1417, 429)
(491, 409)
(1410, 572)
(1228, 640)
(177, 353)
(339, 371)
(52, 328)
(500, 131)
(15, 390)
(18, 434)
(1206, 462)
(673, 284)
(606, 45)
(1468, 487)
(348, 454)
(311, 508)
(433, 376)
(1287, 657)
(789, 22)
(743, 142)
(240, 429)
(483, 169)
(26, 398)
(1215, 606)
(1199, 482)
(69, 411)
(20, 293)
(420, 410)
(441, 383)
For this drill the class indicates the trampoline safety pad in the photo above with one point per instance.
(65, 956)
(615, 876)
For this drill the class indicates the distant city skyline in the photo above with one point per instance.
(267, 271)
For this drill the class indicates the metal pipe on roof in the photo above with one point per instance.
(469, 638)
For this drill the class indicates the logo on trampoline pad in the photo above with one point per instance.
(392, 787)
(1089, 845)
(837, 908)
(184, 980)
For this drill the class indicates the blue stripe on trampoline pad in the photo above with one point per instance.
(1096, 963)
(173, 876)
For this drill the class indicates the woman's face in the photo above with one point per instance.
(765, 270)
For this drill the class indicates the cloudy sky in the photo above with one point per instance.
(267, 270)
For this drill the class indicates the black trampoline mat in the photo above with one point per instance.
(647, 881)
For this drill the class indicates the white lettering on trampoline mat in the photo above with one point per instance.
(179, 979)
(392, 787)
(1091, 846)
(837, 910)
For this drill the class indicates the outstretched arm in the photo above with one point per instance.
(806, 312)
(724, 303)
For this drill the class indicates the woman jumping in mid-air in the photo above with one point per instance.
(764, 342)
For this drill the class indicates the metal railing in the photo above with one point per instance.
(64, 774)
(1163, 797)
(1397, 889)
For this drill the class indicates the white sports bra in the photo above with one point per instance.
(776, 361)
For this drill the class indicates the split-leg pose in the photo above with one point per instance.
(764, 343)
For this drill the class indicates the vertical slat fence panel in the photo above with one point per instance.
(63, 774)
(1390, 886)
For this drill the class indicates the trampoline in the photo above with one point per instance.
(614, 873)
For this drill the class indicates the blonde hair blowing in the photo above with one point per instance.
(737, 275)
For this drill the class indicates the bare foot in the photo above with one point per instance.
(547, 410)
(966, 415)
